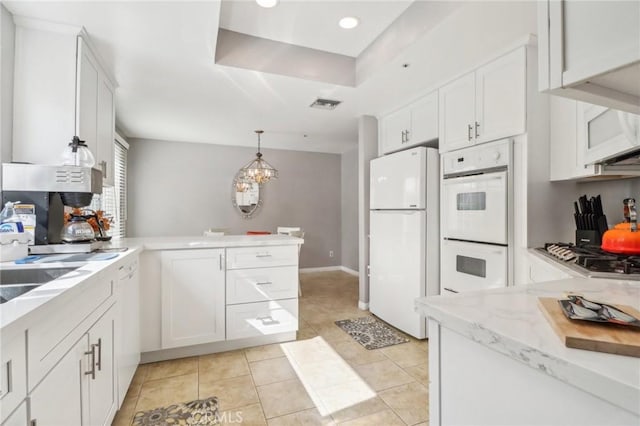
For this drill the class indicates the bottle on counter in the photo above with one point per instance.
(9, 220)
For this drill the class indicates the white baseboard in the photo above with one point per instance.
(363, 306)
(350, 271)
(320, 269)
(330, 268)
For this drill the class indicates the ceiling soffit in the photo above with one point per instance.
(240, 50)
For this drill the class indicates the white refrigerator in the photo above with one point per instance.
(404, 252)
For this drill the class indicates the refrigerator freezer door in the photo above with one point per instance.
(398, 180)
(397, 269)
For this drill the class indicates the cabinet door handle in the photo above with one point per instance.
(469, 129)
(263, 255)
(99, 363)
(477, 126)
(264, 283)
(8, 385)
(220, 261)
(92, 372)
(406, 133)
(103, 168)
(451, 290)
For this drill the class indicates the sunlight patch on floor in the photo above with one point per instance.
(329, 380)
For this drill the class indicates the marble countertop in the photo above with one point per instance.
(20, 308)
(222, 241)
(510, 322)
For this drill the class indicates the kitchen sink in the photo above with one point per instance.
(16, 282)
(9, 292)
(31, 276)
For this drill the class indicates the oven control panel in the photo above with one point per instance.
(481, 157)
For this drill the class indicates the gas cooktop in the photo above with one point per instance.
(593, 261)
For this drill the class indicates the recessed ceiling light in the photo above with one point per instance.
(267, 3)
(349, 22)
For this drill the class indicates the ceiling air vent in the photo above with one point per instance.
(325, 104)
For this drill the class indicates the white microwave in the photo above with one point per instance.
(607, 133)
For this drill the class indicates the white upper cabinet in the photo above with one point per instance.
(569, 141)
(61, 89)
(394, 128)
(566, 156)
(457, 113)
(590, 51)
(412, 125)
(485, 105)
(501, 97)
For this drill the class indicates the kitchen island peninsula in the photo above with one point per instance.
(494, 359)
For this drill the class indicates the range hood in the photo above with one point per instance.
(620, 167)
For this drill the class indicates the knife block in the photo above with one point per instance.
(588, 237)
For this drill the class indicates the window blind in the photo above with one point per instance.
(119, 228)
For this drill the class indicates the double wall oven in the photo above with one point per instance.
(477, 241)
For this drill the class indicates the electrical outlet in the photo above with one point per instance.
(330, 253)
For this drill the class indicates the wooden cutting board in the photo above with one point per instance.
(613, 339)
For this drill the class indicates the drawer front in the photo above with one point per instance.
(13, 373)
(261, 318)
(261, 284)
(60, 327)
(259, 257)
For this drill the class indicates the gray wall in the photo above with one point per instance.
(184, 188)
(350, 209)
(7, 53)
(611, 191)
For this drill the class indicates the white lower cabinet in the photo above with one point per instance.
(256, 284)
(262, 291)
(192, 300)
(541, 271)
(62, 387)
(13, 373)
(18, 417)
(197, 300)
(80, 390)
(262, 318)
(128, 326)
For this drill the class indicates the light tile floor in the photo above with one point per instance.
(259, 384)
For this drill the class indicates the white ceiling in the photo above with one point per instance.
(162, 55)
(313, 24)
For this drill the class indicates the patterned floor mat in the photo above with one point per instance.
(371, 333)
(198, 412)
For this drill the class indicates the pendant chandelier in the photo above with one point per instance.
(259, 171)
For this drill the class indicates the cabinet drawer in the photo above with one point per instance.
(13, 373)
(258, 257)
(261, 318)
(59, 328)
(262, 284)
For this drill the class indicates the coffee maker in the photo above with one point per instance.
(48, 189)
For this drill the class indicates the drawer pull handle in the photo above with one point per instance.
(263, 255)
(451, 290)
(9, 382)
(99, 363)
(264, 283)
(92, 372)
(268, 320)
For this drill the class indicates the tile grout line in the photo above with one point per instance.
(255, 388)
